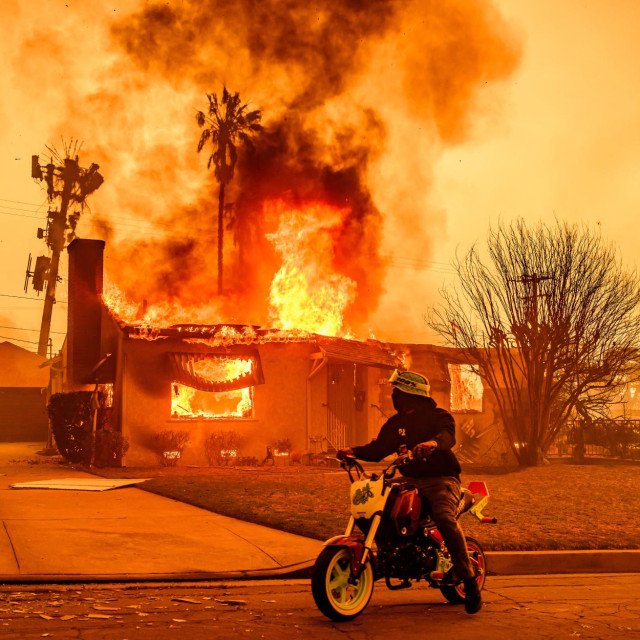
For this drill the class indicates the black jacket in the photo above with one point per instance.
(429, 422)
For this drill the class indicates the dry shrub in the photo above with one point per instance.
(217, 446)
(168, 445)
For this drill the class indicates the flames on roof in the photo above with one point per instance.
(369, 352)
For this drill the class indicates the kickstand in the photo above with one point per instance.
(405, 584)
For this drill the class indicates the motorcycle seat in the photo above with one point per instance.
(466, 501)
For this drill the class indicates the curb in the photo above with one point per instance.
(540, 562)
(292, 571)
(502, 563)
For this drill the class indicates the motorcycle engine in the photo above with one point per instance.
(407, 561)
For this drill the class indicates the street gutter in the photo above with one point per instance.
(498, 563)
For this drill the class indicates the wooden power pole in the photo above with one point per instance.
(70, 184)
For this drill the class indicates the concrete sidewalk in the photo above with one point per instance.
(131, 534)
(126, 534)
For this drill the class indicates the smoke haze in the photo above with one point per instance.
(358, 100)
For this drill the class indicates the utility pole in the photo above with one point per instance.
(534, 279)
(71, 184)
(56, 240)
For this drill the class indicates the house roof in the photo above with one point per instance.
(369, 353)
(21, 368)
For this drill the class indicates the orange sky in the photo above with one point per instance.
(559, 137)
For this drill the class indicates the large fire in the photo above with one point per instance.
(358, 99)
(187, 402)
(307, 292)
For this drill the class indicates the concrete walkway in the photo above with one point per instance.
(126, 534)
(131, 534)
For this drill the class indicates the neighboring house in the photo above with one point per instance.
(23, 382)
(457, 387)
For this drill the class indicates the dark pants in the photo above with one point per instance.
(443, 494)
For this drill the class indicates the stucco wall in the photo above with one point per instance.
(279, 404)
(379, 406)
(480, 434)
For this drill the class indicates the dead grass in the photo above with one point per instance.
(559, 506)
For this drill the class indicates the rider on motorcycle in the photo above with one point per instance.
(430, 432)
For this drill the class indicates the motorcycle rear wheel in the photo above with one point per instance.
(455, 593)
(334, 595)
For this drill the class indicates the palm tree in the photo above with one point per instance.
(225, 123)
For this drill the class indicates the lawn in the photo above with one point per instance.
(557, 506)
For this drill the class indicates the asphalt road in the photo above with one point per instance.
(578, 606)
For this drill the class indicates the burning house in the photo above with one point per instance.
(266, 385)
(358, 101)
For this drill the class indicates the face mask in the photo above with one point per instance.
(399, 401)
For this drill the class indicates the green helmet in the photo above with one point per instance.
(410, 382)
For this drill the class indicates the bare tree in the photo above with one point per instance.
(551, 321)
(224, 125)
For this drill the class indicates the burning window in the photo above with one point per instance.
(213, 387)
(466, 388)
(187, 402)
(107, 389)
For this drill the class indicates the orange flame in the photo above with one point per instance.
(187, 402)
(307, 292)
(156, 314)
(222, 369)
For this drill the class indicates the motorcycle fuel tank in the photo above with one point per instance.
(368, 497)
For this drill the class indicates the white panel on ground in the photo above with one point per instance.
(78, 484)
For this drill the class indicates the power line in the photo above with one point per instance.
(19, 340)
(25, 329)
(399, 262)
(30, 204)
(21, 215)
(12, 208)
(6, 295)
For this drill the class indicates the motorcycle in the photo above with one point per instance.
(399, 542)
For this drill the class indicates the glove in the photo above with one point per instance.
(425, 449)
(343, 453)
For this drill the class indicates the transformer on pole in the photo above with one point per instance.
(68, 185)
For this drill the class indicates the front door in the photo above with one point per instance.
(340, 404)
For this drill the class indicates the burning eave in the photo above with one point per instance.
(233, 336)
(370, 353)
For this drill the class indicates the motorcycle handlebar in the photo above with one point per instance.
(404, 455)
(348, 463)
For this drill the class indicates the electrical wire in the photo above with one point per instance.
(20, 340)
(30, 204)
(150, 229)
(21, 215)
(6, 295)
(2, 326)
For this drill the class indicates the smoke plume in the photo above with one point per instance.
(358, 99)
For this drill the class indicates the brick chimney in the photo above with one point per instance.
(85, 308)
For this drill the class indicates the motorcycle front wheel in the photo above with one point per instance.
(455, 593)
(335, 595)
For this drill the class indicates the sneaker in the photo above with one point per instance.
(473, 599)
